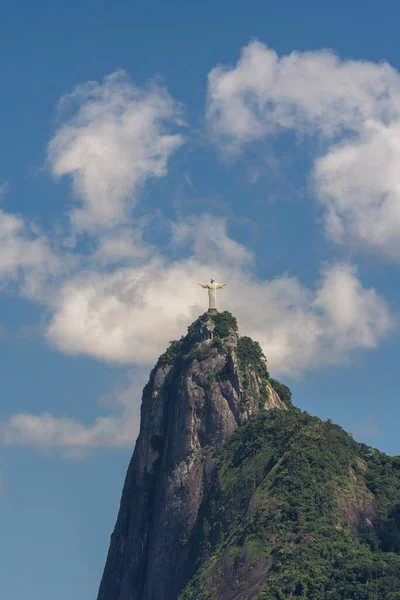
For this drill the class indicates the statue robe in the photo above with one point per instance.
(212, 292)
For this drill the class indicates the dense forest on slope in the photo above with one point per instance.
(298, 509)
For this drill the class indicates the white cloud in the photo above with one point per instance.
(306, 91)
(118, 137)
(301, 329)
(359, 184)
(24, 250)
(352, 107)
(129, 315)
(74, 439)
(209, 241)
(120, 245)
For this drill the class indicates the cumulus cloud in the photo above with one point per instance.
(129, 315)
(208, 239)
(74, 439)
(306, 91)
(118, 136)
(359, 184)
(304, 328)
(124, 244)
(24, 250)
(351, 107)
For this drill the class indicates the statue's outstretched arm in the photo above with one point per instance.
(203, 285)
(221, 285)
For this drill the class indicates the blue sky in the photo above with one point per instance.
(147, 146)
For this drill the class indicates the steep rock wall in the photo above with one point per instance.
(198, 394)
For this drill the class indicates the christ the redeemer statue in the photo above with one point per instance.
(212, 287)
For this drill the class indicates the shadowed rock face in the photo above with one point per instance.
(197, 395)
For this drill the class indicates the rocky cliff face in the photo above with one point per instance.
(226, 501)
(200, 391)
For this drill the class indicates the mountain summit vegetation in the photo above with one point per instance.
(235, 494)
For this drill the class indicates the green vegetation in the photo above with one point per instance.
(218, 344)
(251, 354)
(287, 508)
(224, 323)
(185, 348)
(282, 390)
(170, 354)
(251, 358)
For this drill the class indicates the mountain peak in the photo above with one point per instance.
(201, 389)
(226, 499)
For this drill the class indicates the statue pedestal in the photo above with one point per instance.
(212, 310)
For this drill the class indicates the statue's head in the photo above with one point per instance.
(212, 281)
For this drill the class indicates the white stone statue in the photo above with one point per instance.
(212, 287)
